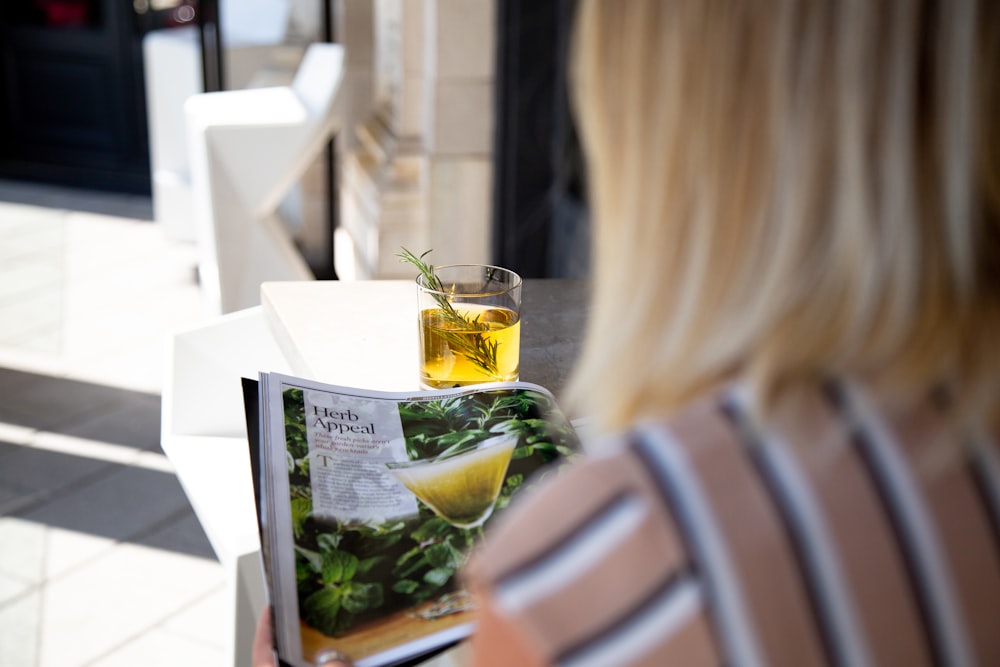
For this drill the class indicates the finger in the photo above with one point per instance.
(263, 641)
(333, 658)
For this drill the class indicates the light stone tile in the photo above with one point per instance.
(128, 591)
(182, 535)
(121, 506)
(22, 550)
(23, 220)
(98, 229)
(21, 501)
(33, 552)
(134, 422)
(45, 345)
(465, 34)
(159, 648)
(69, 549)
(90, 339)
(358, 88)
(133, 357)
(33, 470)
(204, 621)
(153, 309)
(460, 210)
(463, 120)
(412, 34)
(31, 227)
(20, 623)
(41, 401)
(103, 263)
(37, 354)
(28, 277)
(100, 246)
(47, 239)
(356, 33)
(12, 434)
(39, 313)
(12, 588)
(413, 116)
(141, 322)
(132, 285)
(139, 369)
(10, 497)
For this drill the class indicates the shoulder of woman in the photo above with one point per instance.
(574, 557)
(544, 515)
(606, 491)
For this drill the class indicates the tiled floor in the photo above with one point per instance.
(102, 561)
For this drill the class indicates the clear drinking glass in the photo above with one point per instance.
(470, 326)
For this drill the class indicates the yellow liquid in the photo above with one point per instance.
(462, 489)
(444, 365)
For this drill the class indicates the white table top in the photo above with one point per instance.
(356, 334)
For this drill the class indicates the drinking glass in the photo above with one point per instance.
(470, 326)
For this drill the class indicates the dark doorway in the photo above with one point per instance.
(72, 109)
(540, 220)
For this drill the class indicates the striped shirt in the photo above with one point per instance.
(845, 536)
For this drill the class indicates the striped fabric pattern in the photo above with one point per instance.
(840, 535)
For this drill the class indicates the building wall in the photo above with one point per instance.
(417, 165)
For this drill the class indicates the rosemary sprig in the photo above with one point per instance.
(478, 349)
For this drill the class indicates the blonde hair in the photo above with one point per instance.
(788, 190)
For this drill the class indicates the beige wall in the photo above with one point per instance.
(417, 151)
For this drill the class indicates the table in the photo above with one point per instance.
(360, 334)
(364, 334)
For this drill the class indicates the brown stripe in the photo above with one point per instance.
(615, 585)
(650, 598)
(865, 448)
(691, 646)
(962, 523)
(528, 530)
(766, 567)
(740, 422)
(873, 566)
(607, 593)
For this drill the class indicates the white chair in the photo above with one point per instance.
(204, 436)
(256, 39)
(247, 149)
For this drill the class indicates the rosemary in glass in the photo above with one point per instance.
(480, 350)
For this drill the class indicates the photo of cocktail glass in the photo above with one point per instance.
(462, 488)
(469, 325)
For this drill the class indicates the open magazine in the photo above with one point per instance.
(369, 503)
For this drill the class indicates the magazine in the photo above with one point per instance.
(369, 503)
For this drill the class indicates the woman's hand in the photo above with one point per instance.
(263, 641)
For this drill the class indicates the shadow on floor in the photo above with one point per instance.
(86, 458)
(137, 207)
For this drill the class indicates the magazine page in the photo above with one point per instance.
(372, 501)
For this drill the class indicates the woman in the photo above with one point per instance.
(795, 325)
(794, 338)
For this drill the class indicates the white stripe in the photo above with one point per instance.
(651, 629)
(725, 594)
(923, 545)
(573, 559)
(824, 567)
(984, 453)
